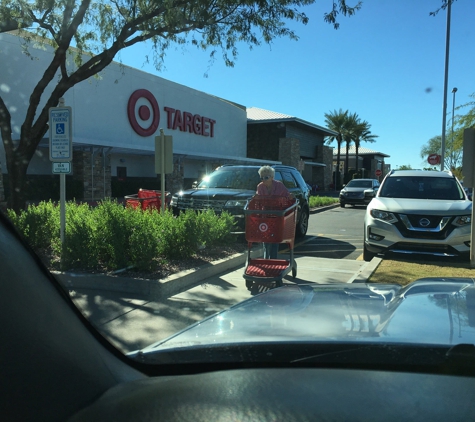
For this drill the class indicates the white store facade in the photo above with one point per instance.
(115, 119)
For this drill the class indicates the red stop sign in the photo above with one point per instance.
(433, 159)
(378, 172)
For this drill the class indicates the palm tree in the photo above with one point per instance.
(350, 126)
(335, 121)
(362, 132)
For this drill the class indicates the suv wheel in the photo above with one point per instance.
(302, 224)
(367, 255)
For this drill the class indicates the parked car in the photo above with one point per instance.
(468, 192)
(358, 192)
(229, 188)
(316, 313)
(418, 212)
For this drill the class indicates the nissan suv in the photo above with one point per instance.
(418, 212)
(229, 188)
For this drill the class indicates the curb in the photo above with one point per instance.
(366, 271)
(168, 286)
(325, 208)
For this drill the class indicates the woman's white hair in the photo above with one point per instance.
(266, 171)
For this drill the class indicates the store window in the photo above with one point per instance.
(121, 174)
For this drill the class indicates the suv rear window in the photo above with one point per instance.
(288, 180)
(232, 178)
(421, 188)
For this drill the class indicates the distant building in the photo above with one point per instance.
(368, 161)
(292, 141)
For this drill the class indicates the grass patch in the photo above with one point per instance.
(322, 201)
(406, 271)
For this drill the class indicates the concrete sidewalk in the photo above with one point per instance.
(309, 270)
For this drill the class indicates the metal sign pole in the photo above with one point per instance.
(162, 174)
(62, 205)
(472, 236)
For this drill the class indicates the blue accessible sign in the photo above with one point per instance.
(60, 134)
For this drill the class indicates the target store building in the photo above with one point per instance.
(117, 115)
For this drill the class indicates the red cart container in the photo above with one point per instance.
(270, 219)
(146, 199)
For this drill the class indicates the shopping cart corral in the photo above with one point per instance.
(270, 219)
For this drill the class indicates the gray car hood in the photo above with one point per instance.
(421, 206)
(428, 311)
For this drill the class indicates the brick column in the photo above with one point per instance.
(289, 152)
(94, 170)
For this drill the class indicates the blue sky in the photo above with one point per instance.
(386, 63)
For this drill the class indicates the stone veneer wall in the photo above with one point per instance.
(174, 180)
(95, 174)
(289, 152)
(327, 158)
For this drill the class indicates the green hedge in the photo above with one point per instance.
(111, 236)
(321, 201)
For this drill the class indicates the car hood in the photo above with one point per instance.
(421, 206)
(216, 193)
(428, 311)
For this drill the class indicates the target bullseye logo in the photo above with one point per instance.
(143, 112)
(263, 227)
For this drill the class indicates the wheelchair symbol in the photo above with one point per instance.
(60, 129)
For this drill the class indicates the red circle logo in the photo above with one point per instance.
(378, 172)
(143, 112)
(263, 227)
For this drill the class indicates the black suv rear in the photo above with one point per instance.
(229, 187)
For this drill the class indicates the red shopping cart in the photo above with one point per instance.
(270, 219)
(147, 199)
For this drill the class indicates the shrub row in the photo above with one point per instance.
(321, 201)
(111, 236)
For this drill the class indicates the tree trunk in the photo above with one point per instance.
(345, 180)
(357, 146)
(17, 167)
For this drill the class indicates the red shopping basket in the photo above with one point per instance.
(271, 219)
(145, 199)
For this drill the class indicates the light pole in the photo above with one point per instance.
(454, 90)
(446, 76)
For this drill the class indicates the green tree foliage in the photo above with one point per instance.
(99, 30)
(336, 121)
(349, 128)
(362, 132)
(454, 140)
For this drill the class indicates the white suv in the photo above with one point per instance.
(418, 212)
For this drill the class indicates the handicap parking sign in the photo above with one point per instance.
(60, 134)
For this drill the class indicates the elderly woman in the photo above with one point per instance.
(269, 186)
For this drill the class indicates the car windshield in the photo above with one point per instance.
(360, 184)
(422, 188)
(232, 178)
(133, 138)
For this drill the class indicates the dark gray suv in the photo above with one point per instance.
(358, 192)
(229, 187)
